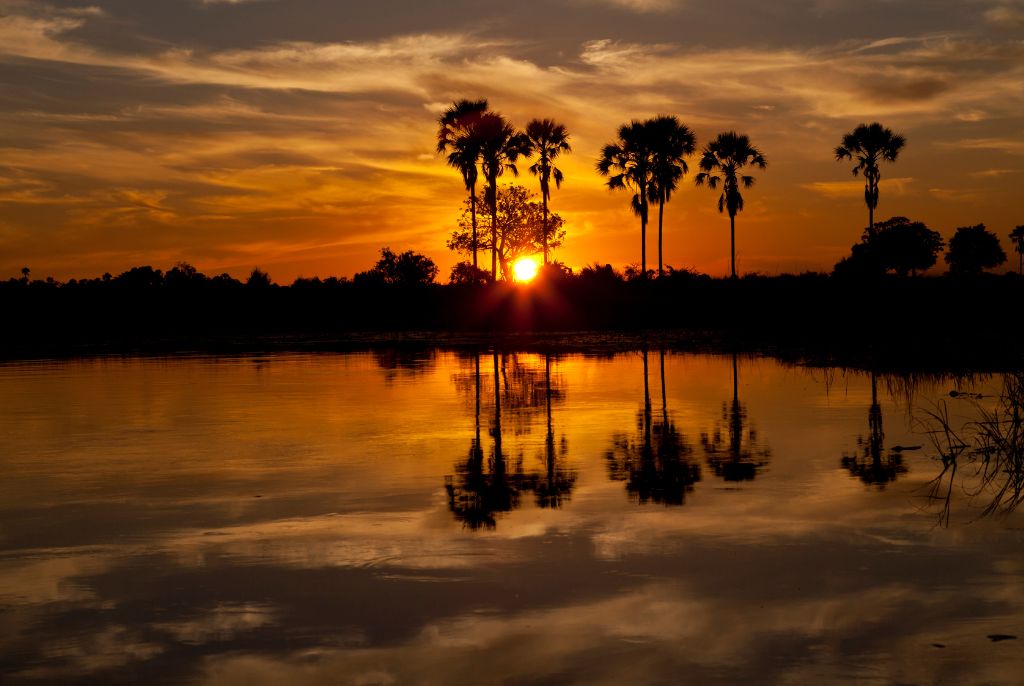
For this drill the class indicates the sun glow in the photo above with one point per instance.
(525, 269)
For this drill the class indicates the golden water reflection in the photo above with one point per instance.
(430, 516)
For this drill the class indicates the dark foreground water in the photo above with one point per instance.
(447, 518)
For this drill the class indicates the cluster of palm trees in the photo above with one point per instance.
(477, 140)
(648, 158)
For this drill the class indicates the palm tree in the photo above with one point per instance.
(721, 163)
(631, 158)
(548, 139)
(870, 144)
(500, 146)
(1017, 236)
(457, 135)
(672, 142)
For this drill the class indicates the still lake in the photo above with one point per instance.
(460, 517)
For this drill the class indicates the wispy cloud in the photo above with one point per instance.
(851, 189)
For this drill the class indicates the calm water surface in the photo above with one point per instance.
(449, 518)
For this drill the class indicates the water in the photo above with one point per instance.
(335, 519)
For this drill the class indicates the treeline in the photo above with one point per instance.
(147, 309)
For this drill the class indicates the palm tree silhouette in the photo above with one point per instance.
(1017, 236)
(672, 142)
(458, 135)
(548, 140)
(720, 164)
(870, 144)
(629, 163)
(500, 146)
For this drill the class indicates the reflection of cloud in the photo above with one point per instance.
(223, 623)
(107, 648)
(650, 632)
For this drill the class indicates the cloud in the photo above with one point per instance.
(851, 189)
(1005, 16)
(642, 6)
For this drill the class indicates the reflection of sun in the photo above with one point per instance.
(525, 269)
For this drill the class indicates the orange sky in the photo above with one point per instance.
(299, 135)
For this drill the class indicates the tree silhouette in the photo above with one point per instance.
(500, 146)
(628, 162)
(866, 463)
(1017, 236)
(548, 140)
(870, 144)
(520, 229)
(738, 457)
(973, 249)
(721, 164)
(458, 136)
(655, 464)
(672, 143)
(897, 244)
(401, 269)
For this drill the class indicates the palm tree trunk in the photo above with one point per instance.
(494, 230)
(732, 242)
(544, 200)
(472, 213)
(477, 377)
(661, 217)
(643, 235)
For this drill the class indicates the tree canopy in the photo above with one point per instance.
(519, 230)
(973, 249)
(405, 269)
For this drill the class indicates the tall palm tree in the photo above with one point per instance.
(673, 142)
(720, 164)
(500, 146)
(1017, 236)
(457, 136)
(548, 139)
(628, 163)
(870, 144)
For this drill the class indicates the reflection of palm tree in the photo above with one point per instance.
(655, 465)
(458, 136)
(478, 492)
(548, 139)
(673, 142)
(500, 146)
(720, 164)
(867, 463)
(557, 483)
(870, 144)
(740, 458)
(628, 164)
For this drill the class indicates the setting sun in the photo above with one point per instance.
(525, 269)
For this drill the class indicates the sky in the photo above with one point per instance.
(299, 135)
